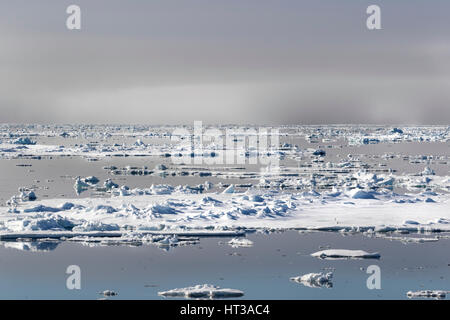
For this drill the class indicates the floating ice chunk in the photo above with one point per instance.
(202, 291)
(109, 184)
(427, 171)
(411, 222)
(229, 189)
(397, 130)
(345, 254)
(319, 152)
(160, 167)
(240, 242)
(208, 185)
(139, 142)
(124, 191)
(437, 294)
(370, 141)
(28, 195)
(80, 185)
(24, 141)
(24, 196)
(315, 280)
(167, 241)
(91, 180)
(109, 293)
(361, 194)
(407, 240)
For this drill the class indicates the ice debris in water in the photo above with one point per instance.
(24, 196)
(91, 180)
(240, 242)
(109, 184)
(80, 185)
(345, 254)
(315, 280)
(437, 294)
(202, 291)
(428, 172)
(109, 293)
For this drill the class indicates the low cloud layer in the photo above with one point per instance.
(167, 62)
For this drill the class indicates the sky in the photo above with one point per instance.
(225, 61)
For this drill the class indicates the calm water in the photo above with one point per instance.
(262, 271)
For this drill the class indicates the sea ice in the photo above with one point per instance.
(108, 293)
(202, 291)
(315, 280)
(345, 254)
(437, 294)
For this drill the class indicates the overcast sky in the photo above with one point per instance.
(225, 61)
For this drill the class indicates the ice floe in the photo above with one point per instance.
(315, 280)
(240, 242)
(182, 209)
(202, 292)
(345, 254)
(435, 294)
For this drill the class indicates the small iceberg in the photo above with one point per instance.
(240, 242)
(80, 185)
(109, 184)
(436, 294)
(91, 180)
(428, 172)
(109, 293)
(24, 141)
(345, 254)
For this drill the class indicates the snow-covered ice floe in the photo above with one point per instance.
(315, 280)
(202, 292)
(435, 294)
(345, 254)
(168, 210)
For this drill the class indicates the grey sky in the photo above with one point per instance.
(225, 61)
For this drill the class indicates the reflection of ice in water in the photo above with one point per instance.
(33, 246)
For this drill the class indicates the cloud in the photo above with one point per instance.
(167, 62)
